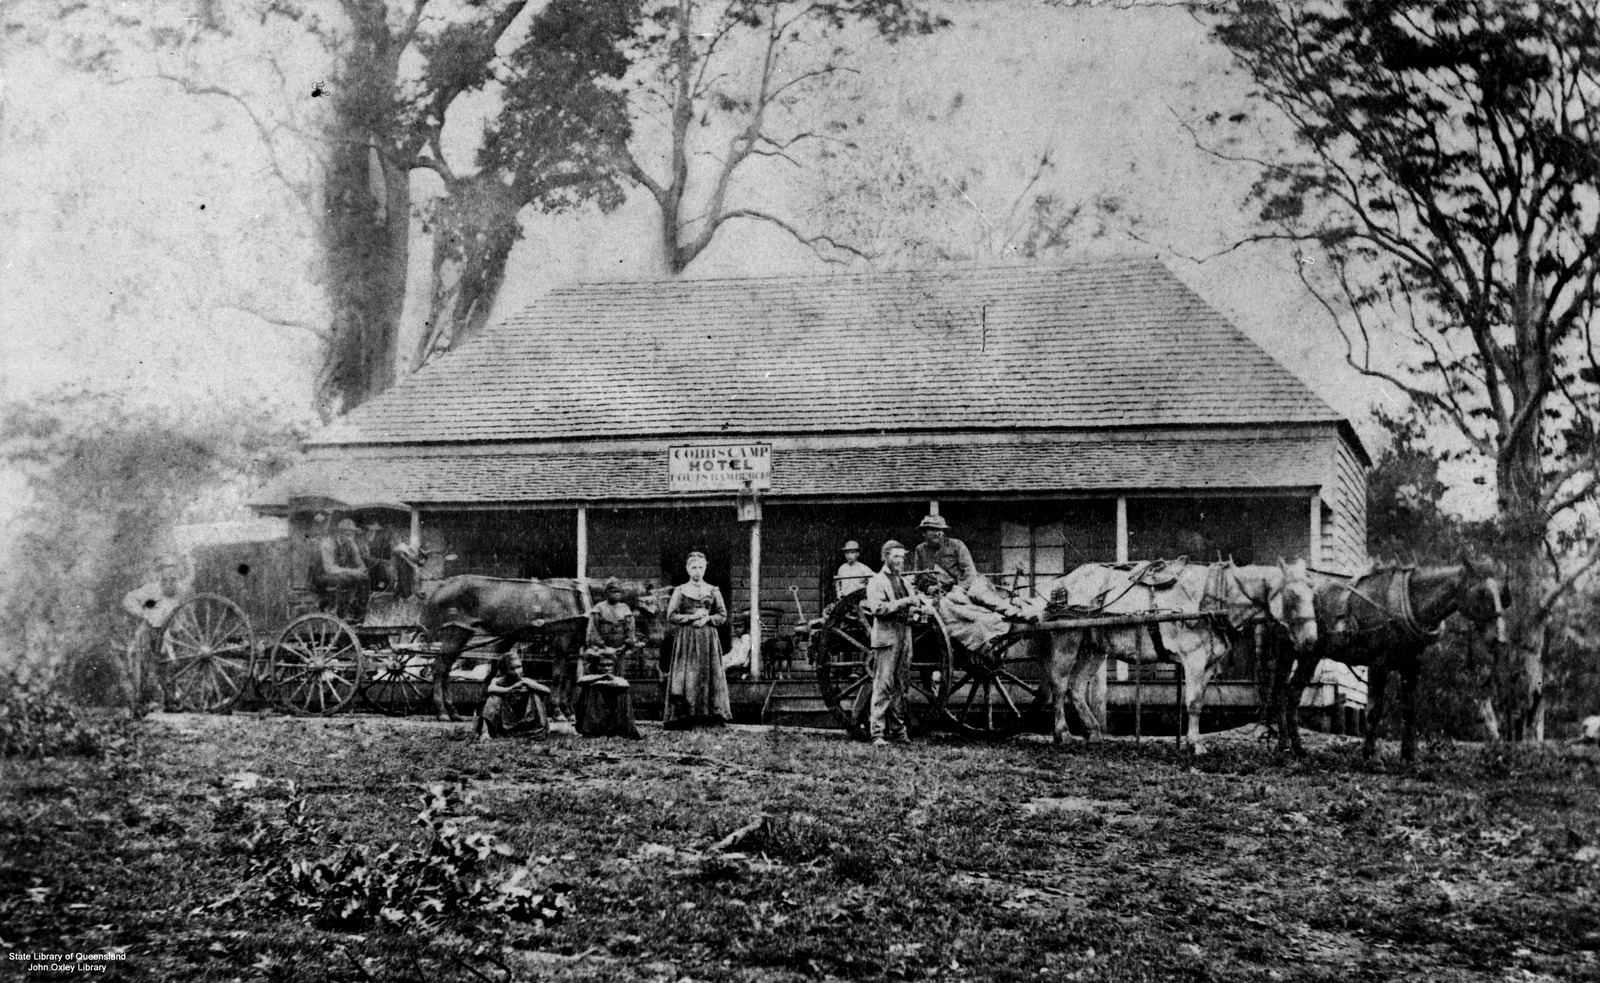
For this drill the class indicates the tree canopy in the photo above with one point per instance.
(1444, 186)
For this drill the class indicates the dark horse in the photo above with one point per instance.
(1385, 620)
(511, 611)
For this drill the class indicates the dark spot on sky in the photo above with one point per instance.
(318, 90)
(202, 208)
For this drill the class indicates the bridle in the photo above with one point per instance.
(1492, 585)
(1265, 605)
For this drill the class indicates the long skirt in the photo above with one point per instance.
(697, 690)
(518, 714)
(605, 708)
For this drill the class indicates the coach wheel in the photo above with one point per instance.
(317, 665)
(402, 677)
(840, 651)
(211, 653)
(993, 692)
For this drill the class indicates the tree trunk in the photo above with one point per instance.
(1519, 681)
(366, 224)
(366, 242)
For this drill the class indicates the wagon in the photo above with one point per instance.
(256, 626)
(990, 691)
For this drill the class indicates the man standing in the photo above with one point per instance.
(852, 574)
(153, 604)
(604, 706)
(612, 624)
(339, 573)
(889, 603)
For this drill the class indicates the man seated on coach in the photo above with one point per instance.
(339, 573)
(942, 560)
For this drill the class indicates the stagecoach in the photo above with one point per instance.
(256, 626)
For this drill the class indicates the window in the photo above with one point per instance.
(1037, 551)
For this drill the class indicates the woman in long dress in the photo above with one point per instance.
(697, 691)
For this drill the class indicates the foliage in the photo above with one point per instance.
(403, 888)
(37, 722)
(1406, 524)
(731, 74)
(1444, 175)
(1405, 521)
(108, 480)
(549, 148)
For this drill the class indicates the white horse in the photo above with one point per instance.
(1235, 599)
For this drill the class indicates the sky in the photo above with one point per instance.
(147, 237)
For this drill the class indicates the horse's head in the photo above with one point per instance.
(1296, 609)
(1481, 598)
(649, 612)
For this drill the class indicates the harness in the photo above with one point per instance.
(1395, 610)
(1154, 574)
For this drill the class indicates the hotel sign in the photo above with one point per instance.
(719, 467)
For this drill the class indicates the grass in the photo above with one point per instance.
(945, 860)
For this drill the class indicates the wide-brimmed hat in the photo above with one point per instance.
(852, 547)
(933, 522)
(349, 524)
(373, 524)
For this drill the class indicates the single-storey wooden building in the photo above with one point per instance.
(1054, 415)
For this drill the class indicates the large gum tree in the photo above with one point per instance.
(1444, 185)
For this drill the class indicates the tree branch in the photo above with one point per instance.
(811, 241)
(321, 334)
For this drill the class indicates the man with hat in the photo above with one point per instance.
(852, 574)
(944, 554)
(888, 603)
(339, 573)
(947, 561)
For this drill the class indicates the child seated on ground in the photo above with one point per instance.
(605, 708)
(515, 706)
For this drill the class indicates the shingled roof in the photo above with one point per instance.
(1114, 343)
(944, 468)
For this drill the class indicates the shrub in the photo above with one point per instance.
(405, 887)
(38, 722)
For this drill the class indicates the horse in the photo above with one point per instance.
(510, 611)
(1234, 600)
(1385, 619)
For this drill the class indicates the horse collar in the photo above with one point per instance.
(1400, 604)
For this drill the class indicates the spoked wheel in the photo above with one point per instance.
(993, 692)
(317, 665)
(841, 651)
(402, 677)
(212, 653)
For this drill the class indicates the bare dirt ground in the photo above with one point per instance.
(944, 860)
